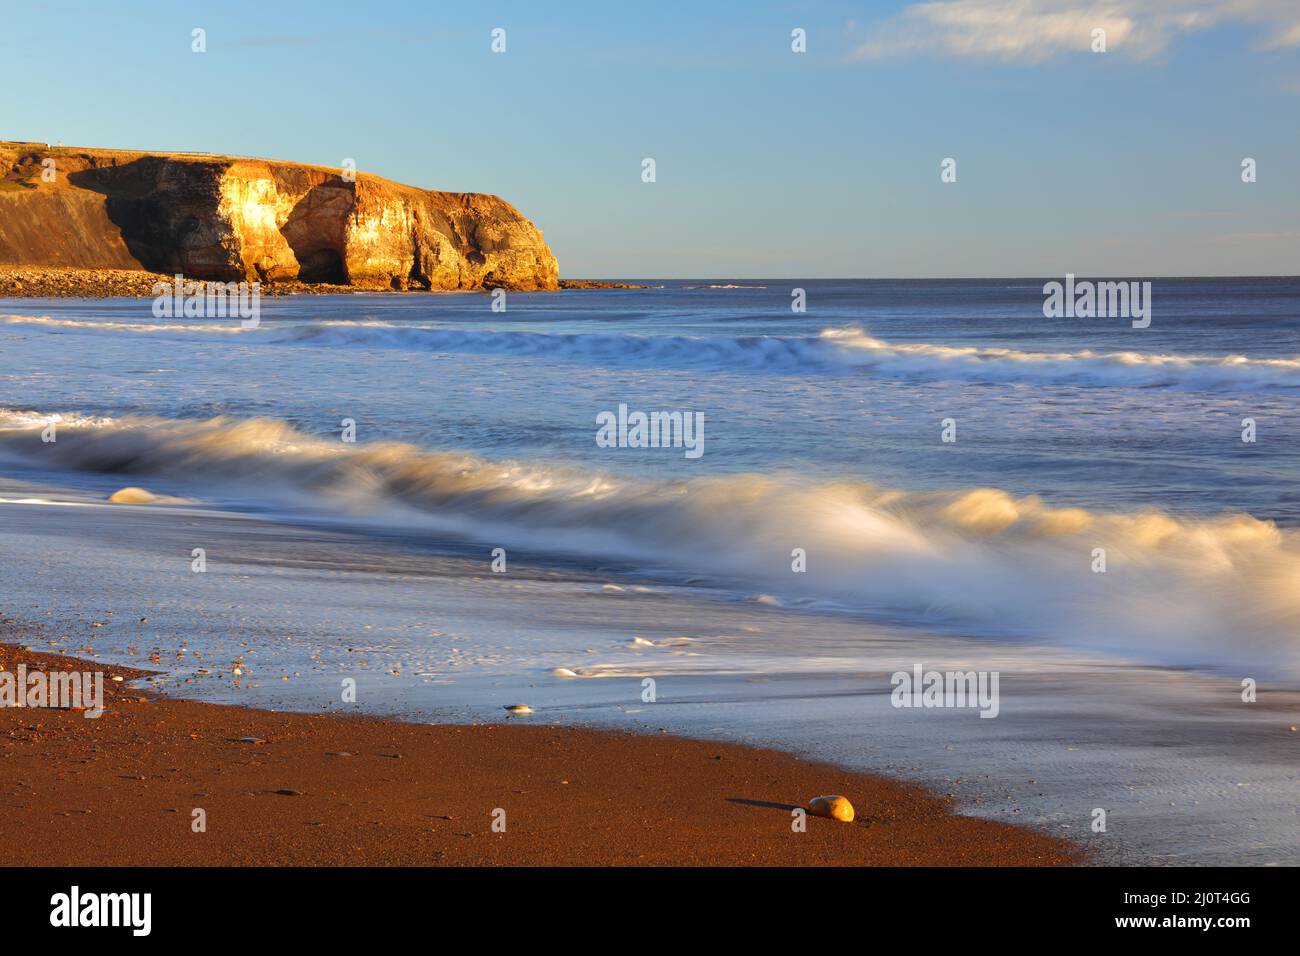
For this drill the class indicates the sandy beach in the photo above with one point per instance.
(298, 789)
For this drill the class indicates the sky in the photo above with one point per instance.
(768, 162)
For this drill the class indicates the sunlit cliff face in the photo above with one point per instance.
(370, 232)
(218, 218)
(256, 211)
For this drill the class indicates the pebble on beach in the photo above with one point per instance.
(833, 807)
(131, 496)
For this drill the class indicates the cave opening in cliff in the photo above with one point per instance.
(322, 265)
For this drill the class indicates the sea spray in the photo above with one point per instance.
(1192, 591)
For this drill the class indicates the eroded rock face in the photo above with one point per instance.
(231, 219)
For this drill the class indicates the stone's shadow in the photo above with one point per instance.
(787, 807)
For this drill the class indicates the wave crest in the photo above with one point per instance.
(1223, 590)
(834, 350)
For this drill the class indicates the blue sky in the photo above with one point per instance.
(769, 163)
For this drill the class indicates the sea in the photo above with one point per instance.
(763, 511)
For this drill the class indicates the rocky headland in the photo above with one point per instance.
(74, 217)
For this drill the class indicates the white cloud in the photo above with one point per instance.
(1288, 35)
(1035, 30)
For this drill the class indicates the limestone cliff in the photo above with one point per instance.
(217, 217)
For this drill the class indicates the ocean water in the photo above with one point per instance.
(823, 443)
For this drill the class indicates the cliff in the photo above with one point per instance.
(227, 218)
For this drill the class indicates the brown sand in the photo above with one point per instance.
(317, 790)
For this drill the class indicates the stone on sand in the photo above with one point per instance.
(131, 496)
(833, 807)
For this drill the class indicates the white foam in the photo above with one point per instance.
(834, 350)
(1224, 590)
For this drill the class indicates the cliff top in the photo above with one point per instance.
(20, 164)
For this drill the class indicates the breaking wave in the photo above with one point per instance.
(96, 325)
(842, 350)
(1223, 591)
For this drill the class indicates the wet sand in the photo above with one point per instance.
(301, 789)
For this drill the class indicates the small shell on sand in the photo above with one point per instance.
(131, 496)
(519, 709)
(834, 807)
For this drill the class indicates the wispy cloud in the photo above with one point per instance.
(1036, 30)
